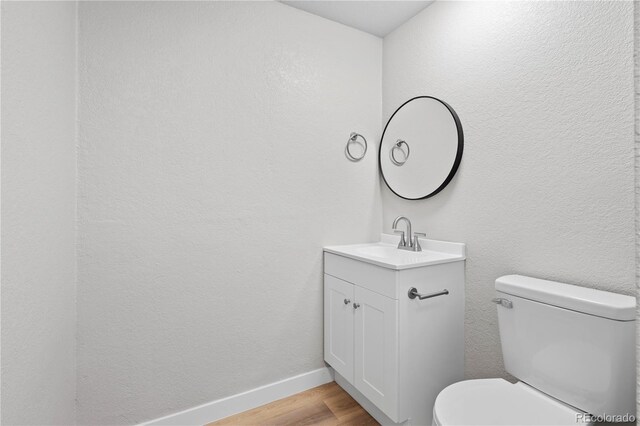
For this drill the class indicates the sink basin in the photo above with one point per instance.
(378, 250)
(385, 253)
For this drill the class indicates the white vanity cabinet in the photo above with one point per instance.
(394, 354)
(365, 329)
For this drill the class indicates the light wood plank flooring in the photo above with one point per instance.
(325, 405)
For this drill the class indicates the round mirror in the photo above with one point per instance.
(421, 148)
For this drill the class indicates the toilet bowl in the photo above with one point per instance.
(571, 347)
(498, 402)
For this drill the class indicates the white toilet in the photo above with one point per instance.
(572, 348)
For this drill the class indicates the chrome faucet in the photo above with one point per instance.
(403, 243)
(412, 243)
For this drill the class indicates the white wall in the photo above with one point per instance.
(38, 213)
(636, 26)
(212, 172)
(544, 91)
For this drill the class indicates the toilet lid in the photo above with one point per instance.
(498, 402)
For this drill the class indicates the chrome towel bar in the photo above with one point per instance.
(413, 293)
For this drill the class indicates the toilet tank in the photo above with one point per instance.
(573, 343)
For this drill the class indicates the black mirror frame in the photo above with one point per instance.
(456, 162)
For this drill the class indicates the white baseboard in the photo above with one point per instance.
(234, 404)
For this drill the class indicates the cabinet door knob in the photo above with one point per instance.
(347, 301)
(356, 305)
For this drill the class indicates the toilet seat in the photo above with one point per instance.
(498, 402)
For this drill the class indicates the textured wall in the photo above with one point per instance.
(212, 172)
(544, 91)
(636, 26)
(38, 213)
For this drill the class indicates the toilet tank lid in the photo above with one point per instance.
(581, 299)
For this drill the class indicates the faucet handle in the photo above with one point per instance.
(416, 242)
(403, 242)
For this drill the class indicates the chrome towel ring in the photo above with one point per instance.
(353, 138)
(398, 147)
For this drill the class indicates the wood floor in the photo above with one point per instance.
(325, 405)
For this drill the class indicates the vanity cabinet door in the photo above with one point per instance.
(338, 325)
(376, 349)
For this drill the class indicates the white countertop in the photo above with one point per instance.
(386, 254)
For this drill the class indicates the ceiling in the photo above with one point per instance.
(374, 17)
